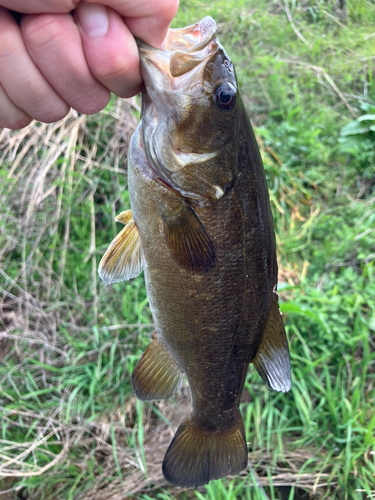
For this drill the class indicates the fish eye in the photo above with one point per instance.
(225, 96)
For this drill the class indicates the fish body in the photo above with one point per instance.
(203, 232)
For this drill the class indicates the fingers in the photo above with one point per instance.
(150, 21)
(49, 63)
(40, 6)
(146, 19)
(110, 49)
(23, 87)
(54, 43)
(11, 116)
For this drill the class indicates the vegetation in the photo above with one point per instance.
(70, 426)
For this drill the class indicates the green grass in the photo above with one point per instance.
(66, 404)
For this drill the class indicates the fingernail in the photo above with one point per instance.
(93, 19)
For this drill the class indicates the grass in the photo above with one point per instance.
(70, 427)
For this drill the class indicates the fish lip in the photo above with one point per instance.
(146, 46)
(190, 39)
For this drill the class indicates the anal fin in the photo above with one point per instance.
(156, 375)
(124, 258)
(272, 360)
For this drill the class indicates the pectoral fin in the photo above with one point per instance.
(124, 217)
(156, 375)
(272, 360)
(124, 258)
(188, 240)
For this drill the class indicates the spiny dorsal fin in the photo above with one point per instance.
(124, 258)
(156, 375)
(272, 360)
(197, 455)
(188, 240)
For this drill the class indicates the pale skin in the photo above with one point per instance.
(72, 54)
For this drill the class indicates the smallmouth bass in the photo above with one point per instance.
(200, 226)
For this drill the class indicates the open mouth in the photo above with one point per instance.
(189, 39)
(192, 38)
(183, 50)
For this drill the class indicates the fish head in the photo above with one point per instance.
(191, 112)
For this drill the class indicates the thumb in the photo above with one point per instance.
(148, 20)
(110, 49)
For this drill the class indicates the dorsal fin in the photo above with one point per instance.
(124, 258)
(272, 360)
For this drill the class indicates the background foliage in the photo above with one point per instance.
(70, 426)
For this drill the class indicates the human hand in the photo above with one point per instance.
(73, 53)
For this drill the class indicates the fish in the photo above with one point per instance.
(200, 226)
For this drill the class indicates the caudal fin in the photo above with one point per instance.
(196, 455)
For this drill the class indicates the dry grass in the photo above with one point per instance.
(39, 166)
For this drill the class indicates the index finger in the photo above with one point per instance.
(40, 6)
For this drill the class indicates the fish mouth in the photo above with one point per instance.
(189, 39)
(183, 50)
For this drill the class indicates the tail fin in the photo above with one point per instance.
(196, 455)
